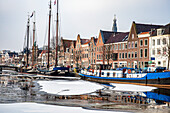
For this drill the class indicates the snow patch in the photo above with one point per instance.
(63, 87)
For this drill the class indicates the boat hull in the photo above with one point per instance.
(155, 79)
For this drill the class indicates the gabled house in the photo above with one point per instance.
(80, 43)
(102, 39)
(138, 46)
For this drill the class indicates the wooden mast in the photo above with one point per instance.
(56, 60)
(33, 40)
(49, 35)
(28, 39)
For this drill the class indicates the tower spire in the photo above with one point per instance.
(114, 28)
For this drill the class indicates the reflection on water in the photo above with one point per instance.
(14, 88)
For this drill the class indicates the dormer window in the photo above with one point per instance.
(159, 31)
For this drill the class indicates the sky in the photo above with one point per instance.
(84, 17)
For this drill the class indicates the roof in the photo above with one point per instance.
(67, 44)
(165, 30)
(145, 27)
(144, 33)
(121, 37)
(107, 34)
(83, 41)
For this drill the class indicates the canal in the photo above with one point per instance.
(37, 94)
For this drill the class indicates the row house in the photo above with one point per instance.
(81, 51)
(159, 42)
(144, 45)
(118, 49)
(100, 45)
(64, 53)
(138, 45)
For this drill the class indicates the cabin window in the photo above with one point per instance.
(114, 74)
(102, 73)
(108, 74)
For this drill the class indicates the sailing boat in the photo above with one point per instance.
(33, 70)
(45, 71)
(57, 68)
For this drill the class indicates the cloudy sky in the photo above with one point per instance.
(84, 17)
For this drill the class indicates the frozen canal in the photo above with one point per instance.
(31, 94)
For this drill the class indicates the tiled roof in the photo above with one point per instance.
(83, 41)
(107, 34)
(145, 27)
(118, 38)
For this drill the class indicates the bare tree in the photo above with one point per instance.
(104, 54)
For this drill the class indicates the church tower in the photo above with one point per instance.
(114, 28)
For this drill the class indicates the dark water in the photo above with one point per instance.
(19, 89)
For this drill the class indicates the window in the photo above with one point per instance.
(132, 44)
(119, 46)
(114, 47)
(164, 41)
(102, 73)
(153, 42)
(153, 52)
(141, 53)
(123, 46)
(132, 36)
(146, 52)
(164, 50)
(135, 54)
(108, 74)
(126, 46)
(122, 55)
(158, 41)
(159, 31)
(129, 55)
(136, 44)
(146, 42)
(125, 55)
(129, 45)
(97, 56)
(141, 42)
(132, 54)
(158, 51)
